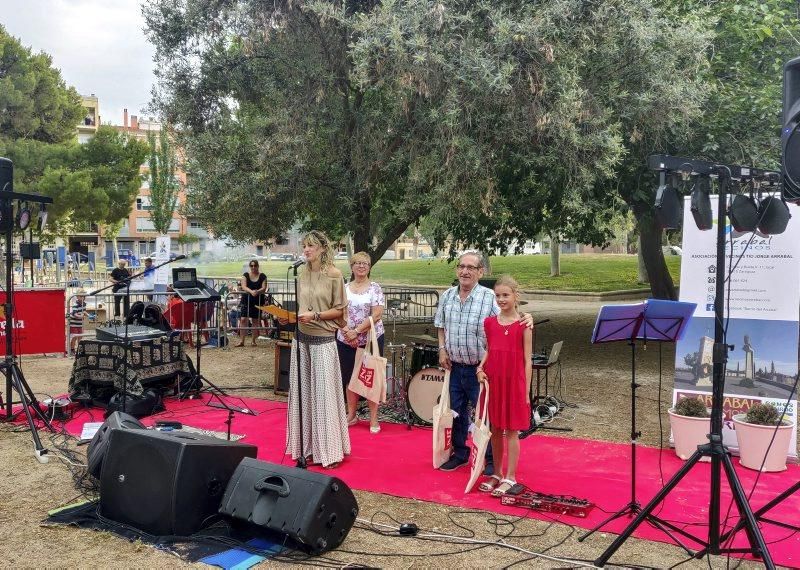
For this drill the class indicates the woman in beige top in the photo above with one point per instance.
(322, 302)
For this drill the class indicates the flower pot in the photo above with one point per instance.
(753, 442)
(687, 433)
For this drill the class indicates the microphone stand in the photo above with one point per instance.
(301, 461)
(127, 280)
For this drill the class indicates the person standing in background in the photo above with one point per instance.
(364, 300)
(118, 278)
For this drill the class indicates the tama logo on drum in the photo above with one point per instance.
(438, 377)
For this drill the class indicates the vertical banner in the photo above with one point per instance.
(163, 244)
(762, 300)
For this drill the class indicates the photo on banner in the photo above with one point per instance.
(764, 327)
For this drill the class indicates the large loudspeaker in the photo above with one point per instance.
(99, 444)
(283, 360)
(790, 135)
(313, 509)
(6, 175)
(166, 483)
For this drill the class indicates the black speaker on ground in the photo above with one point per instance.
(313, 509)
(99, 444)
(149, 403)
(283, 359)
(166, 483)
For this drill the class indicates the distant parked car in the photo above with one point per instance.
(672, 250)
(341, 255)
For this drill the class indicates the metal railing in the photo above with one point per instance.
(404, 305)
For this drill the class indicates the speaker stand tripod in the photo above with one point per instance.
(15, 380)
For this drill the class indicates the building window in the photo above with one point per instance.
(143, 203)
(146, 225)
(196, 225)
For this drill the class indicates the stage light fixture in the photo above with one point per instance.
(668, 203)
(23, 216)
(743, 210)
(773, 215)
(42, 217)
(701, 203)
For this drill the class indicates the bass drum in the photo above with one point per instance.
(424, 392)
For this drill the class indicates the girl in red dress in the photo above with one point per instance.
(506, 367)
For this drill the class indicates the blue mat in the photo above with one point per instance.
(236, 559)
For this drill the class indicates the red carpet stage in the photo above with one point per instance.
(398, 462)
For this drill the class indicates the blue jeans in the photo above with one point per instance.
(464, 391)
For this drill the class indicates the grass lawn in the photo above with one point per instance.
(579, 272)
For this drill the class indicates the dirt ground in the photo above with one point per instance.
(594, 378)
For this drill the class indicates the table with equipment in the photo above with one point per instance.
(98, 367)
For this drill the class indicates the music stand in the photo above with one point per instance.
(654, 320)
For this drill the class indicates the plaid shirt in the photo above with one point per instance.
(465, 339)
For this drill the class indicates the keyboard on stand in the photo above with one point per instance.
(135, 333)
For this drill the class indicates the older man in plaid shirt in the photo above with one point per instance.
(462, 342)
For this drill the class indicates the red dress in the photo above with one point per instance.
(505, 369)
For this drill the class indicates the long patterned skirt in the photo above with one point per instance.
(325, 435)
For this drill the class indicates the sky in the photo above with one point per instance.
(99, 46)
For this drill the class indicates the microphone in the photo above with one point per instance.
(298, 263)
(179, 257)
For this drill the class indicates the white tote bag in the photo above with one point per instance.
(369, 372)
(481, 436)
(443, 426)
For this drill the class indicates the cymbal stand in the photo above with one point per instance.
(395, 306)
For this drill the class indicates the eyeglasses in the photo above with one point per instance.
(362, 263)
(462, 267)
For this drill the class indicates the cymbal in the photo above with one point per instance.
(424, 338)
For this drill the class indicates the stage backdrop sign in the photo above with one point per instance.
(163, 244)
(763, 327)
(39, 321)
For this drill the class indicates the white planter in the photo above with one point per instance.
(753, 442)
(688, 433)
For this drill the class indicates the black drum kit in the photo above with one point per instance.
(415, 387)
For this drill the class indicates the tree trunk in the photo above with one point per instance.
(555, 256)
(642, 276)
(487, 263)
(661, 285)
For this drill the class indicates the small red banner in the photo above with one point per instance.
(39, 321)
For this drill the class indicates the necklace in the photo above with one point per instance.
(508, 326)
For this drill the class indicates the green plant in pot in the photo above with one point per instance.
(764, 438)
(691, 424)
(692, 408)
